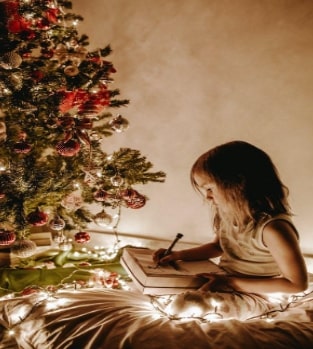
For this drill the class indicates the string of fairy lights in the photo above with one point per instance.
(161, 304)
(51, 298)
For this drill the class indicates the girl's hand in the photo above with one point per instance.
(158, 256)
(216, 283)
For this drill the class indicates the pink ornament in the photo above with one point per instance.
(7, 237)
(37, 218)
(82, 237)
(72, 202)
(30, 290)
(68, 148)
(101, 195)
(133, 199)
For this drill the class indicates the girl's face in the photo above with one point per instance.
(210, 191)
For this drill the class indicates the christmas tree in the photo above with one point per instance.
(56, 105)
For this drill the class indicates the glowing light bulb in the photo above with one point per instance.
(11, 332)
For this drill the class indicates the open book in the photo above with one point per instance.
(150, 279)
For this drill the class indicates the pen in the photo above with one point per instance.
(169, 250)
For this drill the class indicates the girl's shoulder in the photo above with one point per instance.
(266, 219)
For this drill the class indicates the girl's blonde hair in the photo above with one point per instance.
(248, 179)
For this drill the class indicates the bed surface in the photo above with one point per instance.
(106, 318)
(70, 317)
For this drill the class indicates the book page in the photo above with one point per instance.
(150, 268)
(144, 259)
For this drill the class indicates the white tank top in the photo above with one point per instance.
(245, 252)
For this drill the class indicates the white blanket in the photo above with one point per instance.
(117, 319)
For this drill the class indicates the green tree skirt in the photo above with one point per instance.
(74, 268)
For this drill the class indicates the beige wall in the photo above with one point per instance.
(202, 72)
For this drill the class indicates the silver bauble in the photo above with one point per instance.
(103, 219)
(57, 223)
(23, 248)
(11, 60)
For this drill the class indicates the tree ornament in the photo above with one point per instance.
(71, 70)
(133, 199)
(23, 248)
(119, 124)
(117, 180)
(52, 14)
(30, 290)
(90, 179)
(68, 148)
(72, 202)
(18, 24)
(103, 219)
(22, 147)
(82, 237)
(37, 218)
(37, 75)
(101, 195)
(57, 223)
(7, 237)
(11, 60)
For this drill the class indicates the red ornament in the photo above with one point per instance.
(18, 24)
(30, 290)
(37, 75)
(22, 147)
(52, 15)
(133, 199)
(101, 195)
(7, 237)
(82, 237)
(68, 148)
(70, 99)
(37, 218)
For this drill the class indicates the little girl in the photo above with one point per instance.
(254, 236)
